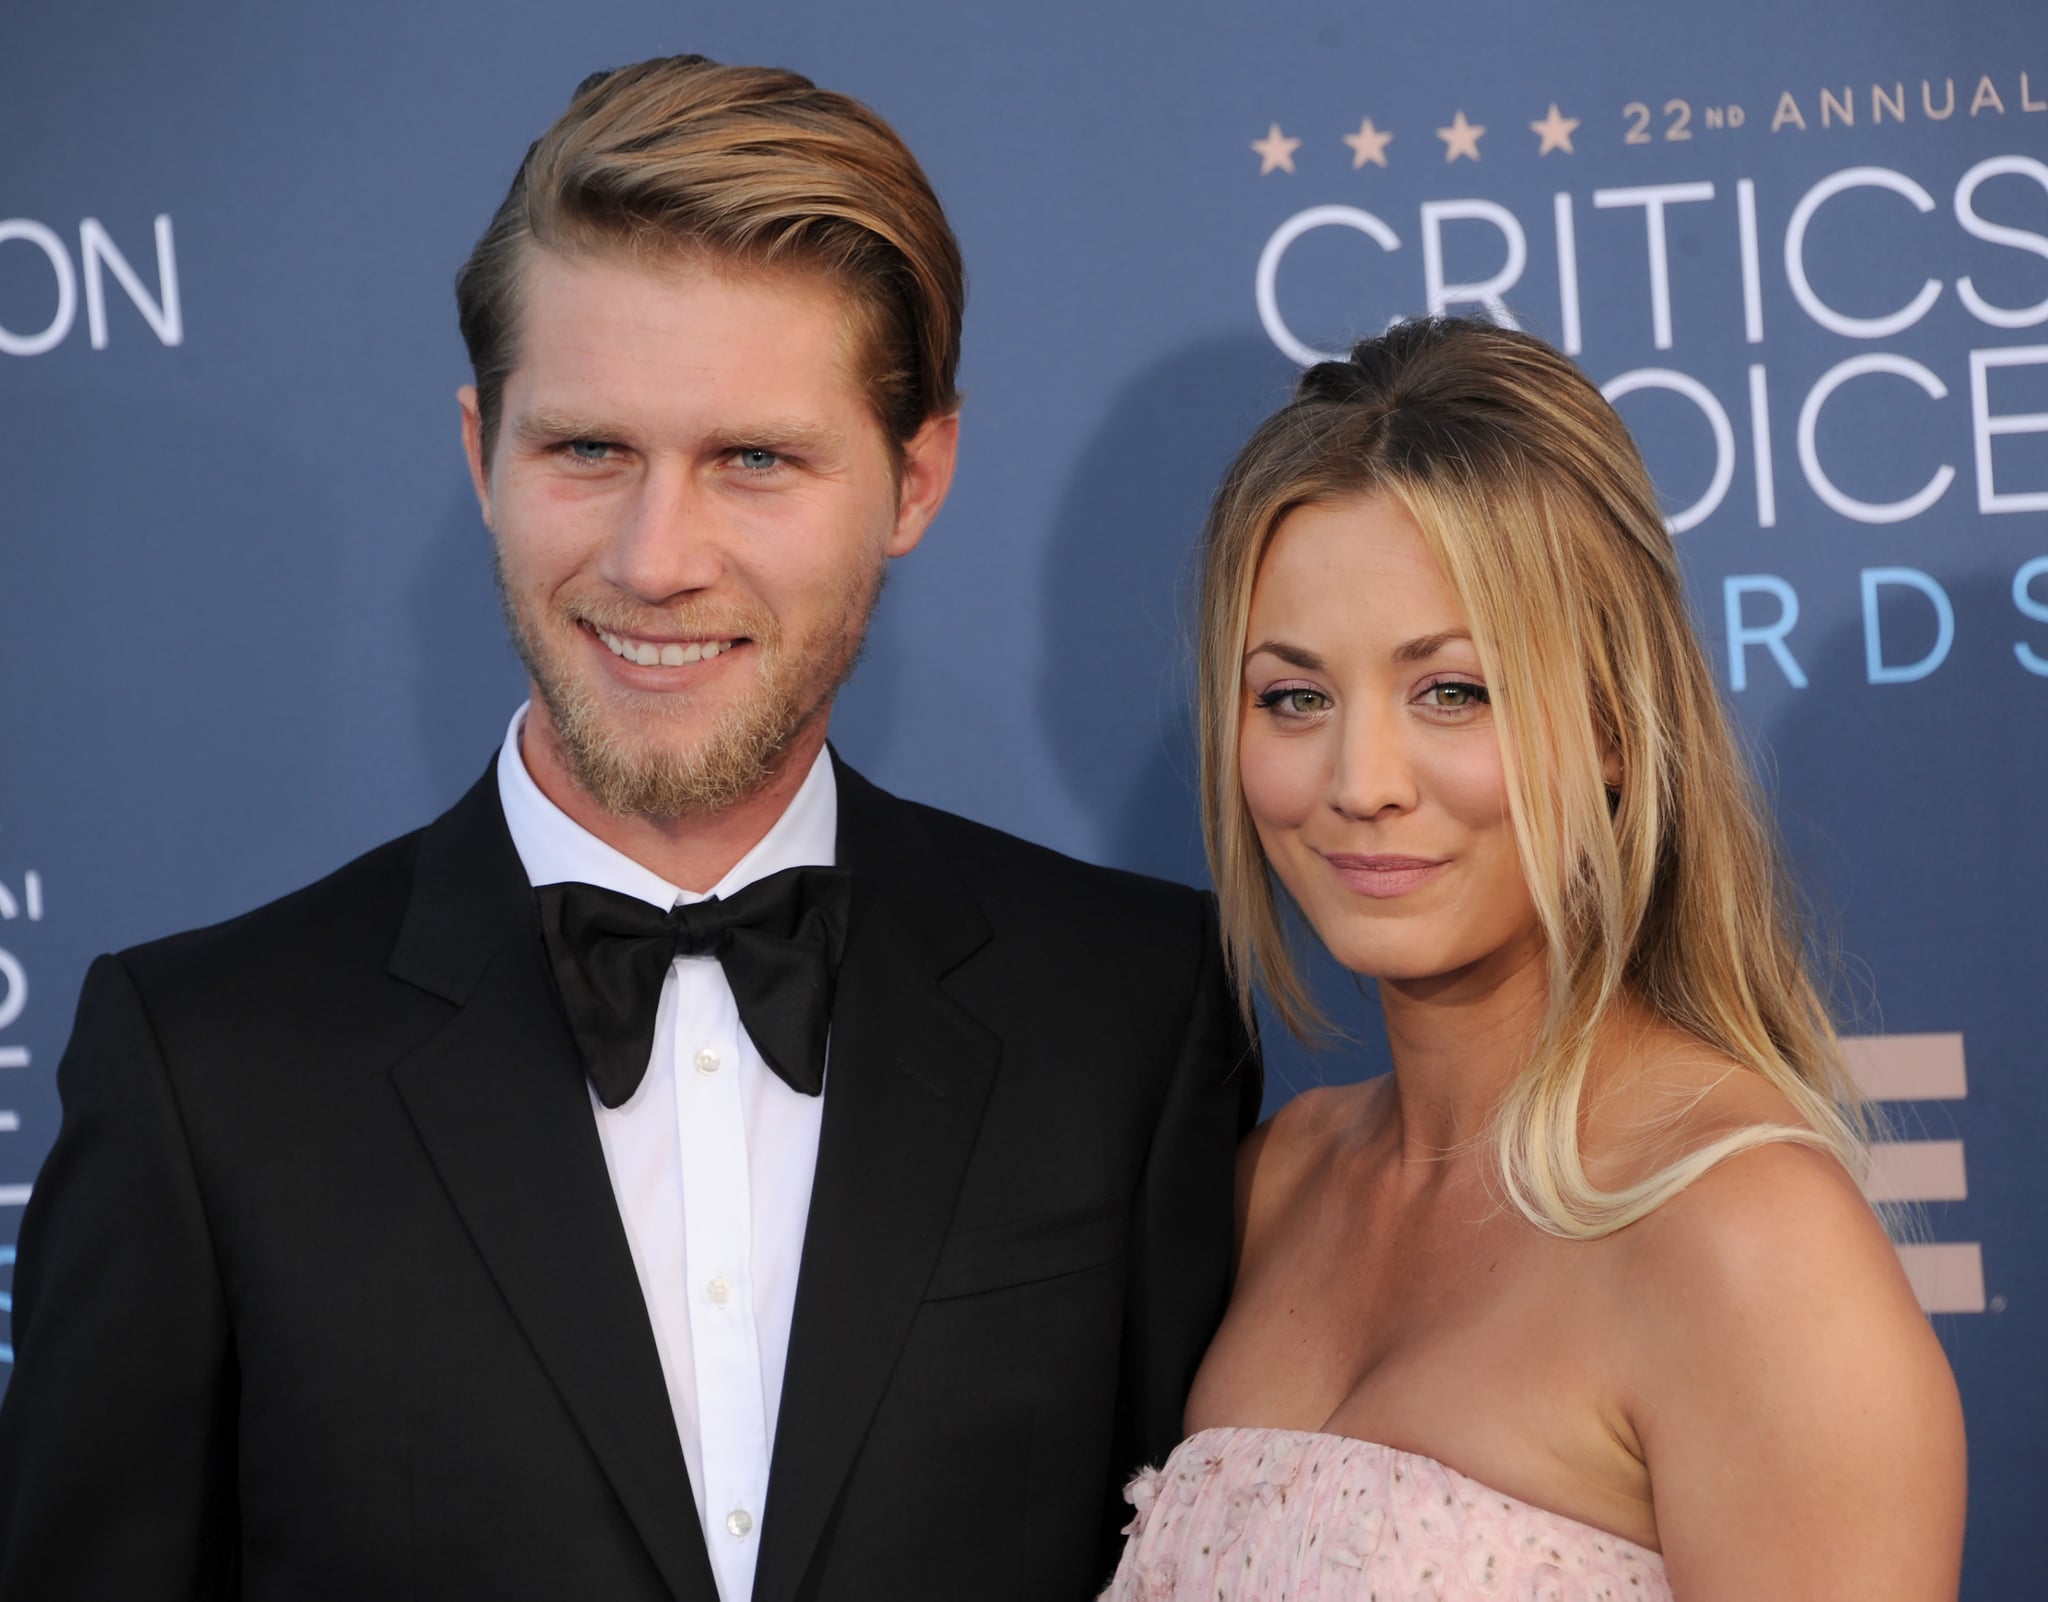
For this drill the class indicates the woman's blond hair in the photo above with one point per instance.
(1537, 507)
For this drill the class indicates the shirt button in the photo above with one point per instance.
(740, 1522)
(721, 1293)
(706, 1061)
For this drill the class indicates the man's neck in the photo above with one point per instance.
(692, 853)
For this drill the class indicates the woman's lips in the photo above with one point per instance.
(1384, 875)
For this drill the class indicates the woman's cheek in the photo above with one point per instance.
(1279, 778)
(1469, 781)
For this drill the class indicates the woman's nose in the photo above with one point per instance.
(1373, 773)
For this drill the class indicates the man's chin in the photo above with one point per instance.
(711, 739)
(631, 770)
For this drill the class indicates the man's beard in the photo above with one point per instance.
(640, 774)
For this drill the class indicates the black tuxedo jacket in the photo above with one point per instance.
(323, 1292)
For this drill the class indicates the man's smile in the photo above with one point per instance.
(662, 653)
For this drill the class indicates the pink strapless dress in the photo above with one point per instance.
(1261, 1515)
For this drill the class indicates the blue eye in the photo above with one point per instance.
(756, 460)
(589, 450)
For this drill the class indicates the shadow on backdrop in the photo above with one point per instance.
(1937, 823)
(1931, 875)
(865, 717)
(173, 657)
(1116, 671)
(171, 665)
(466, 676)
(1114, 689)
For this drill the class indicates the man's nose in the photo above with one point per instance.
(667, 542)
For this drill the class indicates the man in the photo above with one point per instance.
(448, 1229)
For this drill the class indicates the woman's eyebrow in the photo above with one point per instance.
(1425, 646)
(1292, 655)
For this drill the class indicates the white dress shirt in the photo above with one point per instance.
(711, 1163)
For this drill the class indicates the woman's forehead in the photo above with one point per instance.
(1355, 570)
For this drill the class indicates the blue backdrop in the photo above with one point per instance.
(246, 623)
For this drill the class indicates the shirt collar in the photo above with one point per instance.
(556, 849)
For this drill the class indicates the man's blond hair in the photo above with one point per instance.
(747, 167)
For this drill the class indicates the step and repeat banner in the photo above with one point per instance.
(246, 619)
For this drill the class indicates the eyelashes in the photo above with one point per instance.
(1447, 699)
(756, 464)
(1286, 699)
(1467, 693)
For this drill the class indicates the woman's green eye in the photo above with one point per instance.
(1454, 695)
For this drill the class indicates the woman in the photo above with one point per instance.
(1582, 1300)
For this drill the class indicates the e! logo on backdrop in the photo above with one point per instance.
(1820, 307)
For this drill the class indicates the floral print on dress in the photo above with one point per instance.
(1255, 1515)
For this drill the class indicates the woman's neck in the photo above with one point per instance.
(1457, 1041)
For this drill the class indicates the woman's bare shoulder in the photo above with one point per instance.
(1781, 1217)
(1662, 1095)
(1294, 1145)
(1763, 1319)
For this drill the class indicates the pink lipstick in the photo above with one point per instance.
(1384, 875)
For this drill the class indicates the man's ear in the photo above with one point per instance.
(473, 449)
(927, 474)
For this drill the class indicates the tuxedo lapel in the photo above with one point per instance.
(499, 1101)
(908, 1076)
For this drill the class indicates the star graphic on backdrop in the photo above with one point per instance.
(1368, 144)
(1556, 131)
(1461, 138)
(1275, 150)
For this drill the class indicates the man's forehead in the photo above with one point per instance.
(677, 274)
(593, 326)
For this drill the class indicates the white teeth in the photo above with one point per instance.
(647, 654)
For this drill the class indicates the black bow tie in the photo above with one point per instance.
(779, 941)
